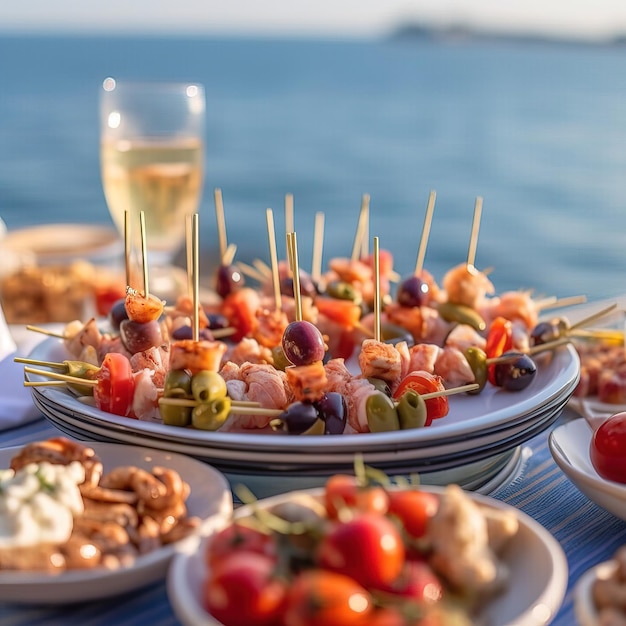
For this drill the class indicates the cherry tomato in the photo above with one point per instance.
(417, 582)
(608, 448)
(240, 308)
(345, 491)
(238, 538)
(388, 616)
(116, 385)
(344, 312)
(324, 598)
(107, 295)
(499, 341)
(424, 382)
(368, 548)
(242, 590)
(414, 509)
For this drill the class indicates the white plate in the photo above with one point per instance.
(210, 499)
(569, 445)
(493, 410)
(584, 605)
(531, 600)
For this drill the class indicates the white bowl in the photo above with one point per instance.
(569, 445)
(210, 499)
(530, 599)
(584, 606)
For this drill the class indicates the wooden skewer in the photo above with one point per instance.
(289, 221)
(377, 333)
(361, 227)
(189, 253)
(593, 318)
(196, 277)
(451, 391)
(60, 366)
(127, 246)
(144, 253)
(471, 255)
(229, 255)
(64, 377)
(45, 331)
(263, 267)
(292, 249)
(220, 333)
(45, 383)
(557, 303)
(271, 234)
(428, 218)
(221, 222)
(318, 243)
(250, 271)
(236, 408)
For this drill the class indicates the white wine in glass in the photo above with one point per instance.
(152, 160)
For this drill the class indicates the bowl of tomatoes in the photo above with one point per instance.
(364, 553)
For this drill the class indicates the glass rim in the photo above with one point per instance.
(111, 85)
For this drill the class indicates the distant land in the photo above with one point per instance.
(410, 31)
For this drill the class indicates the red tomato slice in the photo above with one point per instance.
(499, 341)
(424, 382)
(116, 385)
(240, 308)
(414, 509)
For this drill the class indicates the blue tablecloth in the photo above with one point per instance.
(587, 533)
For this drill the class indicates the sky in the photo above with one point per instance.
(578, 18)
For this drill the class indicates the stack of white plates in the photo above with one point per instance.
(476, 445)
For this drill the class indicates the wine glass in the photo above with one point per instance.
(152, 160)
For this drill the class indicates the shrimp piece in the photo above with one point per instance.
(453, 367)
(464, 336)
(513, 305)
(351, 271)
(154, 359)
(176, 489)
(265, 385)
(184, 309)
(423, 322)
(337, 375)
(196, 356)
(78, 336)
(145, 406)
(356, 393)
(466, 285)
(111, 344)
(380, 360)
(271, 326)
(423, 357)
(142, 308)
(248, 350)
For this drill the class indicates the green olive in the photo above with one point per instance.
(177, 384)
(381, 385)
(174, 415)
(461, 314)
(411, 410)
(281, 362)
(381, 413)
(207, 386)
(81, 369)
(317, 428)
(343, 291)
(210, 415)
(477, 360)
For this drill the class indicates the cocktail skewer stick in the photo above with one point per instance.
(250, 271)
(289, 214)
(263, 267)
(86, 382)
(127, 247)
(361, 228)
(557, 303)
(189, 254)
(592, 318)
(195, 256)
(292, 253)
(318, 244)
(271, 234)
(144, 253)
(221, 223)
(46, 331)
(428, 218)
(471, 254)
(229, 255)
(377, 330)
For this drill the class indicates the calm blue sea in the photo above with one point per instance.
(537, 130)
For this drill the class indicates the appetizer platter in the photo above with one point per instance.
(96, 561)
(482, 580)
(298, 375)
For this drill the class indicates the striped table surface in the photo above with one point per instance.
(587, 533)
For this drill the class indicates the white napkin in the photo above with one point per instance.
(16, 403)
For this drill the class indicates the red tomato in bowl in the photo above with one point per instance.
(414, 509)
(608, 448)
(344, 491)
